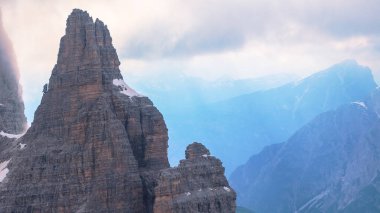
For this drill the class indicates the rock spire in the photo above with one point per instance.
(95, 145)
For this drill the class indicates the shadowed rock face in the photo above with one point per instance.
(12, 118)
(95, 144)
(196, 185)
(88, 140)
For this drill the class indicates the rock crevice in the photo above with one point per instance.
(96, 145)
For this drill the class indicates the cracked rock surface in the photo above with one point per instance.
(96, 145)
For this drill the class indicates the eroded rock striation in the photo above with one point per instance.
(95, 144)
(198, 184)
(12, 118)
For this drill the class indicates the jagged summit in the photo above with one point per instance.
(87, 74)
(87, 43)
(195, 150)
(86, 47)
(199, 178)
(90, 137)
(95, 144)
(87, 57)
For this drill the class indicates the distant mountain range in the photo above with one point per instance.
(238, 127)
(332, 164)
(168, 87)
(184, 99)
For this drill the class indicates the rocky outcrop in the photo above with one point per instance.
(196, 185)
(12, 118)
(95, 144)
(331, 164)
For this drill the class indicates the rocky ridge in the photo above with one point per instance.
(96, 145)
(270, 116)
(198, 178)
(329, 165)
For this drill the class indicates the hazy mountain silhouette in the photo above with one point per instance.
(239, 127)
(330, 165)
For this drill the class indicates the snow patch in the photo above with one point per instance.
(360, 103)
(188, 193)
(298, 101)
(22, 145)
(1, 104)
(298, 82)
(2, 133)
(226, 188)
(313, 201)
(378, 115)
(125, 89)
(3, 170)
(205, 155)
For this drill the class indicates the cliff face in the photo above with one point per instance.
(95, 145)
(196, 185)
(12, 118)
(331, 164)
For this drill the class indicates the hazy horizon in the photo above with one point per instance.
(215, 106)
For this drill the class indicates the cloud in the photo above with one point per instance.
(215, 26)
(169, 28)
(158, 42)
(344, 18)
(203, 38)
(194, 27)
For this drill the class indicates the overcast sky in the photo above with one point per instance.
(210, 39)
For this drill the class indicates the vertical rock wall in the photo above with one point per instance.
(95, 144)
(12, 118)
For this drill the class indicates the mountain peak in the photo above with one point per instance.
(78, 11)
(96, 145)
(351, 62)
(86, 56)
(77, 21)
(195, 150)
(346, 66)
(346, 71)
(86, 43)
(329, 152)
